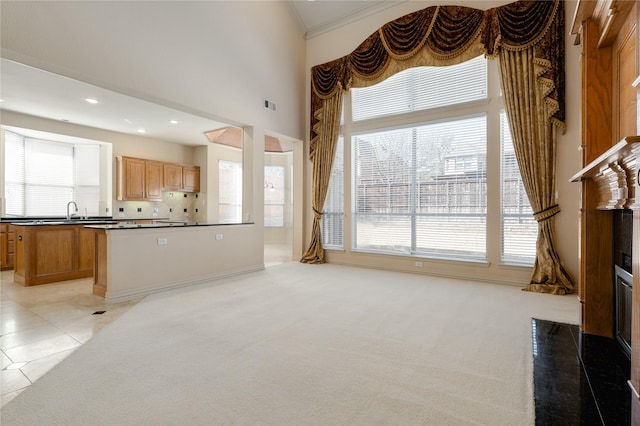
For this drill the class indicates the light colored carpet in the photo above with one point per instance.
(305, 345)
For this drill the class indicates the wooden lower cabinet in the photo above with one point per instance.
(86, 245)
(51, 253)
(7, 246)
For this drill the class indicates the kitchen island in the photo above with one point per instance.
(133, 260)
(52, 251)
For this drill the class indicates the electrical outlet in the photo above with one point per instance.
(419, 264)
(219, 236)
(162, 241)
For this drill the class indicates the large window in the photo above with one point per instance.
(230, 192)
(274, 196)
(332, 216)
(422, 189)
(420, 167)
(43, 176)
(519, 229)
(422, 88)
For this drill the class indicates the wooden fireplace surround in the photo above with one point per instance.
(607, 31)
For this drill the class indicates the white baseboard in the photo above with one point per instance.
(121, 296)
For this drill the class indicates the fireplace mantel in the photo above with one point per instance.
(616, 175)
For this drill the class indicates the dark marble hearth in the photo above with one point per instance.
(579, 379)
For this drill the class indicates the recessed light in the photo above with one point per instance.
(142, 131)
(173, 121)
(91, 101)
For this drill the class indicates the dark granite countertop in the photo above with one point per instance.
(77, 220)
(52, 219)
(107, 222)
(160, 224)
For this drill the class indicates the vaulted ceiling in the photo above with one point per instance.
(40, 93)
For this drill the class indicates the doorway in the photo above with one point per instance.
(279, 196)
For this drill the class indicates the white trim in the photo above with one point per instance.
(121, 296)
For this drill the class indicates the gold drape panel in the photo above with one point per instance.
(446, 35)
(322, 158)
(534, 141)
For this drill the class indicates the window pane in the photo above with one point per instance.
(14, 174)
(380, 232)
(86, 160)
(42, 176)
(332, 216)
(230, 192)
(48, 162)
(422, 88)
(422, 190)
(274, 194)
(47, 200)
(519, 229)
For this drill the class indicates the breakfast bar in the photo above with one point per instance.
(133, 260)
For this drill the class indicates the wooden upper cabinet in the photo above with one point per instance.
(130, 178)
(179, 177)
(153, 180)
(138, 179)
(172, 177)
(191, 179)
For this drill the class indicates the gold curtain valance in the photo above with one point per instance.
(451, 34)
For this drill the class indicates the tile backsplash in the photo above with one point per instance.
(178, 206)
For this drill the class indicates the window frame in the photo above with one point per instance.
(29, 184)
(491, 106)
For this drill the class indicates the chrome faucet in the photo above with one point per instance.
(68, 204)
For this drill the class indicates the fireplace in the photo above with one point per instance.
(624, 290)
(623, 279)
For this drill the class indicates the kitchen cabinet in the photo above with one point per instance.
(51, 253)
(7, 246)
(138, 179)
(191, 178)
(180, 177)
(172, 177)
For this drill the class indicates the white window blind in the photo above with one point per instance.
(274, 196)
(43, 176)
(230, 192)
(48, 177)
(422, 190)
(422, 88)
(87, 180)
(519, 229)
(14, 174)
(332, 216)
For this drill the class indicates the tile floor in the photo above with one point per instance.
(42, 325)
(579, 379)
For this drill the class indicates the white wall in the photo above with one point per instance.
(221, 59)
(216, 59)
(117, 144)
(343, 40)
